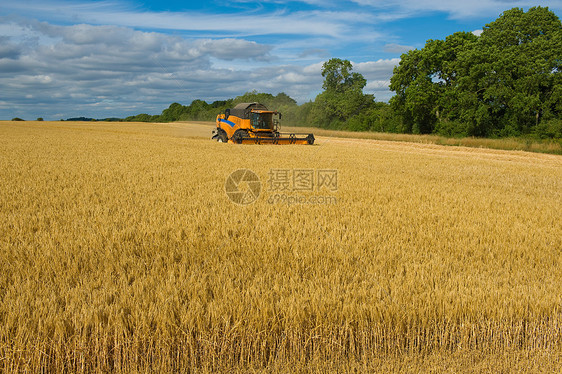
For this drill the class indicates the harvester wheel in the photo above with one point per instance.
(221, 136)
(239, 136)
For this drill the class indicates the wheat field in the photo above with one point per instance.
(121, 252)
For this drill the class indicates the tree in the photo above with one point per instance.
(505, 82)
(515, 69)
(425, 79)
(342, 97)
(338, 77)
(173, 113)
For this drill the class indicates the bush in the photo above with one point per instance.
(17, 119)
(450, 128)
(549, 129)
(357, 123)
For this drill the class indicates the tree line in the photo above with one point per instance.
(505, 82)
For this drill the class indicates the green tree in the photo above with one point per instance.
(505, 82)
(342, 98)
(173, 112)
(425, 82)
(514, 72)
(143, 117)
(339, 78)
(255, 96)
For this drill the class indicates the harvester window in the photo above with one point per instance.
(259, 121)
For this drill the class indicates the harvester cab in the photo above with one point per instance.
(253, 123)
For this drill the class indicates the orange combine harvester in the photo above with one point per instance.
(253, 123)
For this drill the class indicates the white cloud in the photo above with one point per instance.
(308, 52)
(455, 9)
(397, 48)
(378, 75)
(376, 69)
(232, 49)
(315, 22)
(7, 49)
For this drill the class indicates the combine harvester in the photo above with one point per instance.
(253, 123)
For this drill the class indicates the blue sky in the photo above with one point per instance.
(60, 59)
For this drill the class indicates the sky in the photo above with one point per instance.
(114, 58)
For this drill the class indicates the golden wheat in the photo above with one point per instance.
(120, 251)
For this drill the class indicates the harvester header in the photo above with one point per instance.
(253, 123)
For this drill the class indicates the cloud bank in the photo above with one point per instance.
(57, 71)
